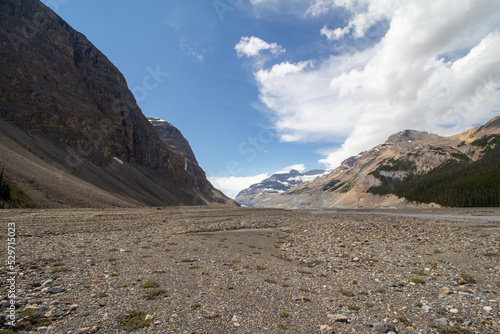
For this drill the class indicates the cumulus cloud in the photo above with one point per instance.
(301, 102)
(365, 14)
(252, 46)
(232, 185)
(436, 69)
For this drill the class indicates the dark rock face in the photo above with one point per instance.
(64, 101)
(173, 137)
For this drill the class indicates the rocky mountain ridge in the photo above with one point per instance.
(406, 153)
(72, 133)
(276, 184)
(173, 137)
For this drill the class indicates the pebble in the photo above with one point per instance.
(31, 308)
(58, 314)
(325, 329)
(445, 292)
(338, 317)
(385, 328)
(48, 282)
(426, 308)
(303, 299)
(55, 290)
(441, 322)
(212, 316)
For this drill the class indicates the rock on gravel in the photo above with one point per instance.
(385, 328)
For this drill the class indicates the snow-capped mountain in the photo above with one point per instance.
(276, 184)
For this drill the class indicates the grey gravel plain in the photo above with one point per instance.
(214, 270)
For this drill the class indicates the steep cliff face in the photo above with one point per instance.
(367, 180)
(173, 137)
(63, 101)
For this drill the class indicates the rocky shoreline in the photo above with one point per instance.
(209, 270)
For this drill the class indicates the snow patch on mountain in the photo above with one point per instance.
(276, 184)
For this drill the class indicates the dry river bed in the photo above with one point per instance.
(206, 270)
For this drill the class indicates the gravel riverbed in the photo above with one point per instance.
(213, 270)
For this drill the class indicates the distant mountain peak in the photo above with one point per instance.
(409, 136)
(275, 184)
(157, 120)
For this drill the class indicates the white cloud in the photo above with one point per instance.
(365, 14)
(333, 34)
(281, 70)
(252, 46)
(320, 7)
(195, 55)
(301, 103)
(232, 185)
(189, 49)
(437, 69)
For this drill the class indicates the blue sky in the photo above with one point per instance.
(258, 86)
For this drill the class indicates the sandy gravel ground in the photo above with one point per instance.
(205, 270)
